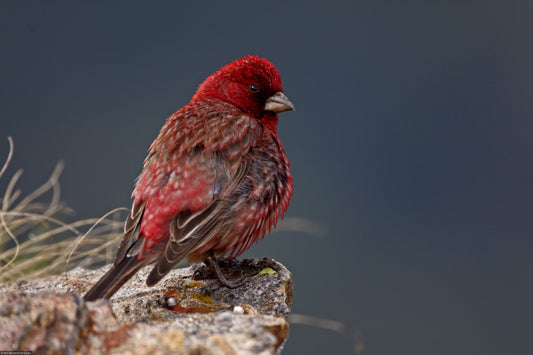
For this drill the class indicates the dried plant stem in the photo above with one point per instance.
(34, 242)
(330, 324)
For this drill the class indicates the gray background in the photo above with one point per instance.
(412, 146)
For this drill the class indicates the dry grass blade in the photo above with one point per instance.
(298, 224)
(334, 325)
(9, 156)
(82, 238)
(35, 242)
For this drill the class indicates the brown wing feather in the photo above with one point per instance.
(131, 228)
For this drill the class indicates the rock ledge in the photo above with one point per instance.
(188, 312)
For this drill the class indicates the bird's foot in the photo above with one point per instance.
(220, 276)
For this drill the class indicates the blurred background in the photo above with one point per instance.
(411, 146)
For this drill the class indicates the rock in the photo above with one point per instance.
(188, 312)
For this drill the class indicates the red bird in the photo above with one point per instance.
(216, 178)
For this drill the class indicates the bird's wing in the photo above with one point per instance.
(189, 231)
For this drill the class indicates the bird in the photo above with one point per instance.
(215, 180)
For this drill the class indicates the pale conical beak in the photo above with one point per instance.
(278, 103)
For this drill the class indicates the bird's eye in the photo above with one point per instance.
(254, 88)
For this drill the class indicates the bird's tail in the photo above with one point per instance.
(115, 278)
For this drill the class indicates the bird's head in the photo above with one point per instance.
(252, 84)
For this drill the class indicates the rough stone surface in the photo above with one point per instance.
(186, 313)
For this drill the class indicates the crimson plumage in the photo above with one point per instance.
(216, 178)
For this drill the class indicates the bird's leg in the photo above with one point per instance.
(220, 276)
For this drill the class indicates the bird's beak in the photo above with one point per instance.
(278, 103)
